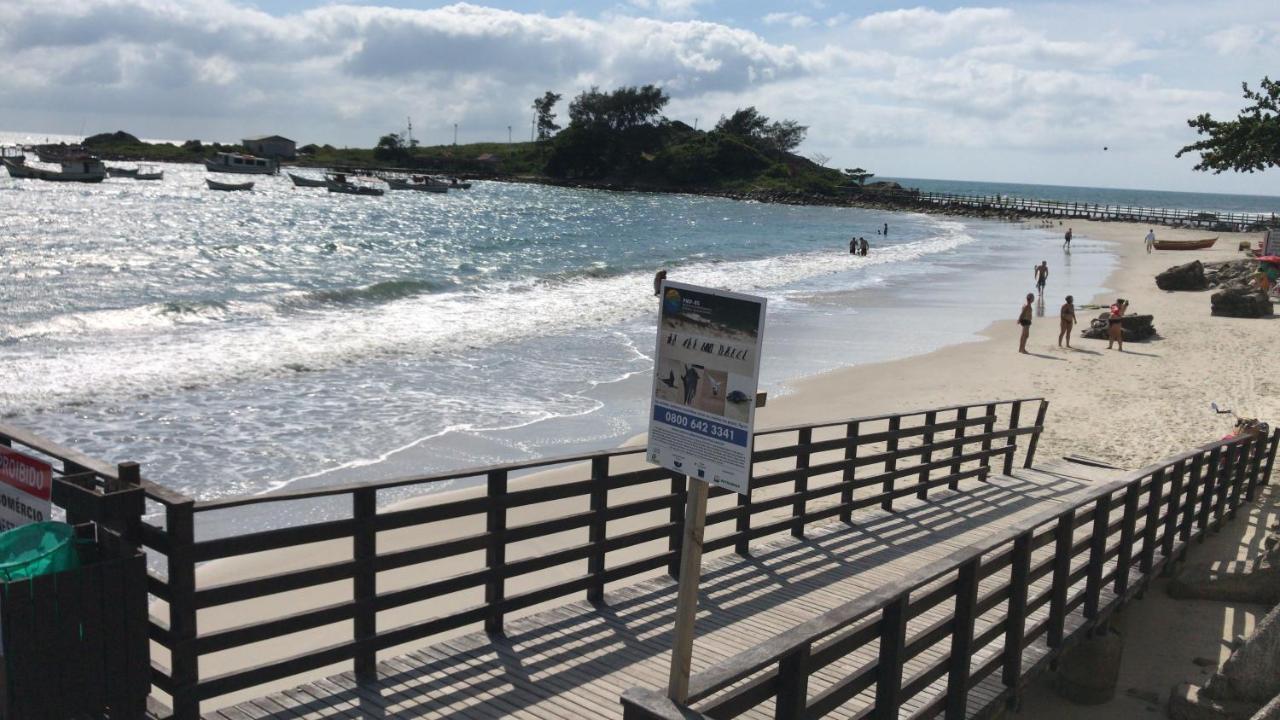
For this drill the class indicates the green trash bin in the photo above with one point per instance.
(37, 549)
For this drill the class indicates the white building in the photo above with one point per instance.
(271, 146)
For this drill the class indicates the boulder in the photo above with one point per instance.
(1134, 328)
(1232, 273)
(1183, 277)
(1241, 302)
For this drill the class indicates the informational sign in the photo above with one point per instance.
(706, 371)
(1272, 244)
(26, 486)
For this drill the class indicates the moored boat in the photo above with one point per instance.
(240, 163)
(1185, 244)
(80, 169)
(338, 183)
(215, 185)
(456, 184)
(396, 184)
(122, 172)
(303, 181)
(149, 173)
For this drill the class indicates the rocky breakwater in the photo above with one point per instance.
(1236, 295)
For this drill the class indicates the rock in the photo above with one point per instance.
(1133, 328)
(1241, 302)
(1183, 277)
(1188, 702)
(1088, 672)
(1252, 673)
(1237, 581)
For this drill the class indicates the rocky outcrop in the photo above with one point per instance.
(1241, 302)
(1183, 277)
(1134, 328)
(1233, 273)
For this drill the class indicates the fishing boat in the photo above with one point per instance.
(457, 184)
(122, 172)
(80, 169)
(241, 164)
(338, 183)
(396, 184)
(215, 185)
(1185, 244)
(302, 181)
(149, 173)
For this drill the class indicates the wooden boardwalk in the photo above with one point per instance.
(576, 660)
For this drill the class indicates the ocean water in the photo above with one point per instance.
(1210, 202)
(241, 342)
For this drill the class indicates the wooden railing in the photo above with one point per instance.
(1062, 209)
(617, 519)
(929, 639)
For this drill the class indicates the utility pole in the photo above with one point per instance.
(455, 133)
(508, 134)
(695, 123)
(533, 123)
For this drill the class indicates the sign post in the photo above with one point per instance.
(26, 489)
(706, 372)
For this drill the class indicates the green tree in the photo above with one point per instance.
(1249, 143)
(546, 122)
(392, 146)
(622, 109)
(749, 125)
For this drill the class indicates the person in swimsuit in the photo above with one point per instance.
(1066, 321)
(1115, 324)
(853, 246)
(658, 280)
(1066, 241)
(1024, 319)
(1042, 275)
(864, 245)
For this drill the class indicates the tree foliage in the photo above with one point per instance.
(546, 118)
(752, 127)
(394, 146)
(858, 175)
(1249, 143)
(624, 108)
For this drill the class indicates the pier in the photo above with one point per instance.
(923, 563)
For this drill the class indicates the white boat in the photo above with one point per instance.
(215, 185)
(395, 184)
(338, 183)
(149, 173)
(303, 181)
(122, 172)
(79, 169)
(241, 164)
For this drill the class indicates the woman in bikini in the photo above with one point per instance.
(1115, 324)
(1024, 319)
(1067, 320)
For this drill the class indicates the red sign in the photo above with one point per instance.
(26, 487)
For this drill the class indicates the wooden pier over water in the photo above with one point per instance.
(920, 563)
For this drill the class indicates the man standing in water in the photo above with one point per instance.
(1067, 320)
(1066, 241)
(853, 245)
(864, 246)
(1151, 240)
(1042, 275)
(1024, 319)
(886, 229)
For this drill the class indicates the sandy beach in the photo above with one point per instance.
(1126, 408)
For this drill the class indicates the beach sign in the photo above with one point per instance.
(706, 370)
(26, 487)
(1271, 246)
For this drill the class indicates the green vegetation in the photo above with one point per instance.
(1249, 143)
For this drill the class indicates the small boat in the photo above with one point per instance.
(81, 169)
(215, 185)
(457, 184)
(1185, 244)
(395, 184)
(241, 164)
(149, 173)
(338, 183)
(122, 172)
(302, 181)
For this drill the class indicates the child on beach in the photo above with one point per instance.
(1115, 324)
(1024, 319)
(1066, 320)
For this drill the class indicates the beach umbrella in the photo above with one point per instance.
(1273, 259)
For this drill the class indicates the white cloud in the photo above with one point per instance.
(791, 19)
(923, 27)
(1243, 39)
(669, 8)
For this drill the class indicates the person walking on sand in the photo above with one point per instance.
(1115, 324)
(658, 279)
(1024, 319)
(1066, 320)
(1151, 240)
(1066, 241)
(1042, 275)
(864, 246)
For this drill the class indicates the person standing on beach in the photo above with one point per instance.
(1066, 241)
(1066, 320)
(864, 246)
(1151, 240)
(1042, 275)
(658, 280)
(1024, 319)
(1115, 324)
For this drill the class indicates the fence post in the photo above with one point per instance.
(1193, 500)
(893, 632)
(1226, 481)
(891, 465)
(1097, 550)
(987, 428)
(930, 419)
(1239, 479)
(1210, 489)
(184, 663)
(1153, 515)
(1257, 449)
(1012, 441)
(793, 684)
(1127, 528)
(1171, 517)
(496, 552)
(675, 539)
(742, 526)
(850, 473)
(1035, 434)
(1016, 622)
(961, 416)
(961, 657)
(364, 510)
(1061, 577)
(1271, 454)
(802, 481)
(596, 532)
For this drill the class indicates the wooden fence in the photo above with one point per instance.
(619, 517)
(1093, 555)
(1089, 211)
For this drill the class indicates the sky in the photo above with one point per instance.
(1084, 93)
